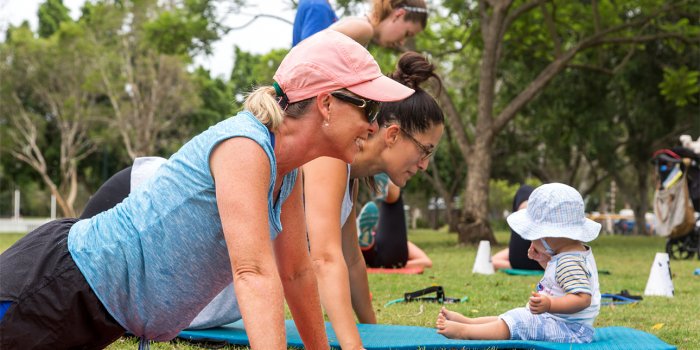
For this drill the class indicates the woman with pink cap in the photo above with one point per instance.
(212, 214)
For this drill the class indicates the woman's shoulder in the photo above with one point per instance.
(358, 28)
(326, 175)
(327, 167)
(243, 121)
(243, 124)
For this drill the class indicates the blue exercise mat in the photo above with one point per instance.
(409, 337)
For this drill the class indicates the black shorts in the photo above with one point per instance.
(52, 305)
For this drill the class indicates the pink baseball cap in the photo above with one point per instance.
(328, 61)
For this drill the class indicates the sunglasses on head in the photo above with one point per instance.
(370, 107)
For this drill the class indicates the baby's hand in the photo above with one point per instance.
(539, 303)
(542, 258)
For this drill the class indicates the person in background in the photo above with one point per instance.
(515, 256)
(312, 17)
(389, 23)
(567, 299)
(211, 215)
(382, 231)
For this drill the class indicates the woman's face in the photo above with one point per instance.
(394, 30)
(348, 127)
(411, 152)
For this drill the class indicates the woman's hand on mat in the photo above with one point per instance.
(539, 303)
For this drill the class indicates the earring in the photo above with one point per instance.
(326, 123)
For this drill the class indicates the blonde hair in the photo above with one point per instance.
(381, 9)
(262, 102)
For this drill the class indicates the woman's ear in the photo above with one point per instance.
(323, 102)
(398, 14)
(391, 136)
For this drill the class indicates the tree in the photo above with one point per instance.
(44, 90)
(150, 92)
(51, 14)
(554, 34)
(252, 70)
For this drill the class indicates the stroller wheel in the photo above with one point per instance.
(678, 249)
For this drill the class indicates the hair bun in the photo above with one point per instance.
(412, 69)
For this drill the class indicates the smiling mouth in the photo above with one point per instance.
(359, 142)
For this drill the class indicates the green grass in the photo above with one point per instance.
(627, 258)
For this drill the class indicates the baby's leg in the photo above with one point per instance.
(486, 331)
(457, 317)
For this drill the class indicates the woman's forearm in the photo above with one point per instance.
(334, 289)
(360, 294)
(305, 307)
(260, 300)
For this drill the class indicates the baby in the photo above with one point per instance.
(567, 299)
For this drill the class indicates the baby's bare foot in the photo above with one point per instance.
(451, 329)
(454, 316)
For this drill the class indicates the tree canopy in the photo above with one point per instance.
(534, 90)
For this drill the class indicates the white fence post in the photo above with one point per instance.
(53, 207)
(16, 215)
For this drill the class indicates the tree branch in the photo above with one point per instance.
(591, 68)
(455, 122)
(561, 62)
(551, 27)
(255, 18)
(625, 60)
(483, 13)
(647, 38)
(596, 16)
(468, 34)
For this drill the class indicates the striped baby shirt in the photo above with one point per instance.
(570, 273)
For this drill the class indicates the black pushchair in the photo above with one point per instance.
(677, 201)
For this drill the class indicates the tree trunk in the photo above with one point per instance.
(474, 224)
(67, 209)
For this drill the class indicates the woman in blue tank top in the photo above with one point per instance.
(212, 214)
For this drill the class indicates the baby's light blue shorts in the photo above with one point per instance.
(524, 325)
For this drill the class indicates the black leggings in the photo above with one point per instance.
(391, 239)
(111, 193)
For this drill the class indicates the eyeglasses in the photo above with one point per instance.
(371, 107)
(426, 150)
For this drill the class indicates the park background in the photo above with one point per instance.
(534, 91)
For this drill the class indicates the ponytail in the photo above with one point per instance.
(264, 106)
(261, 102)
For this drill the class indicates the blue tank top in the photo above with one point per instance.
(159, 257)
